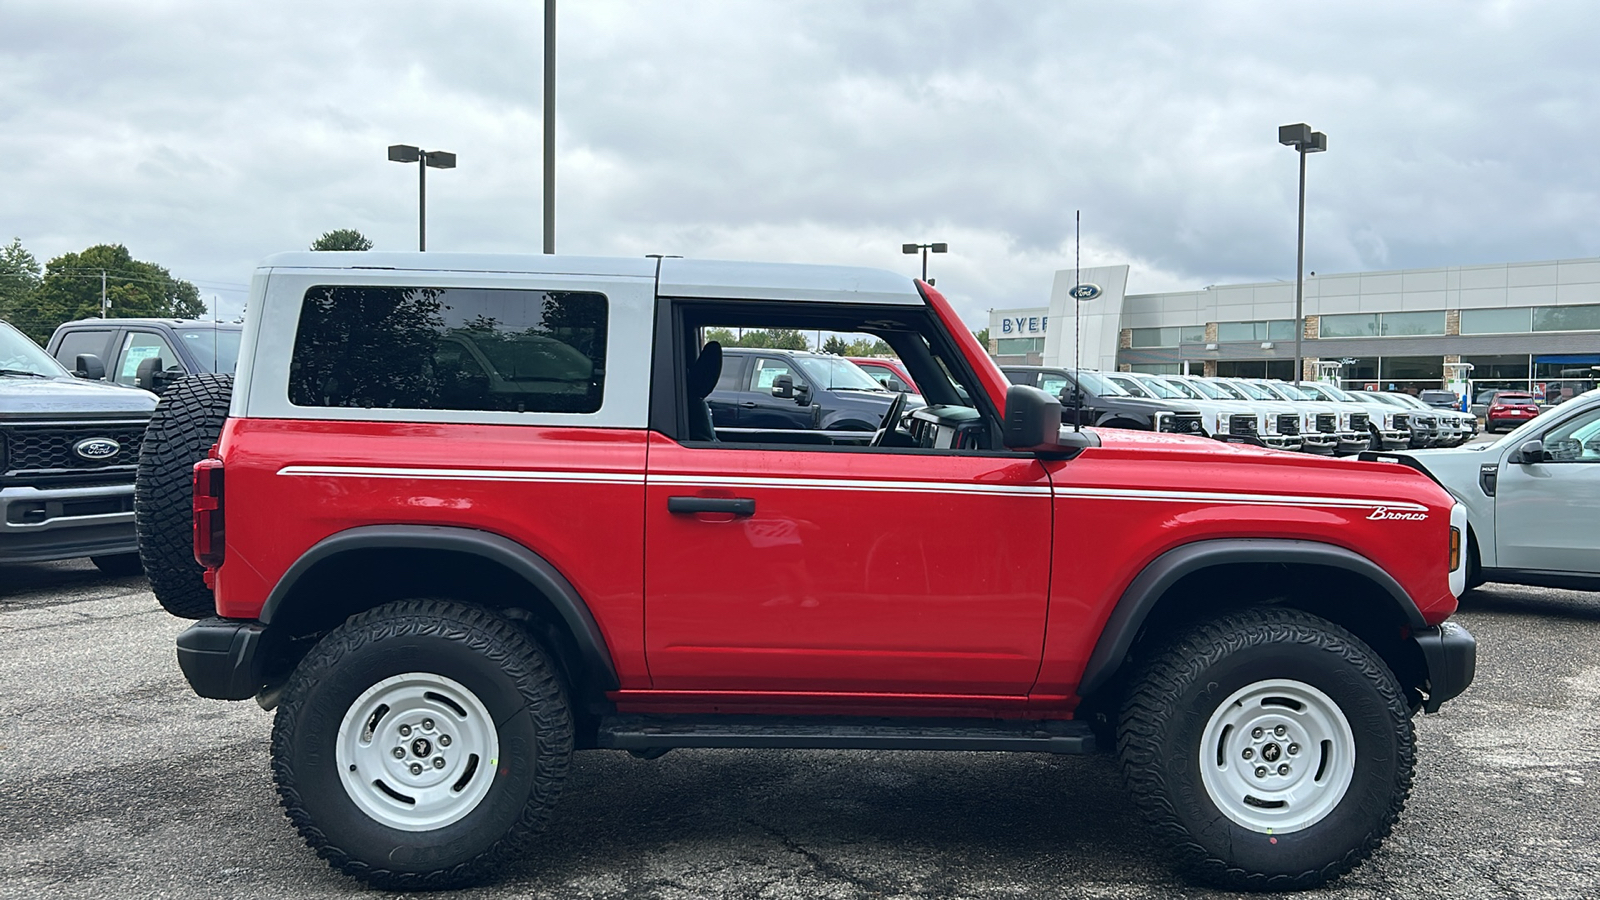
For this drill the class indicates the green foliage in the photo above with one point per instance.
(775, 338)
(983, 337)
(861, 346)
(342, 239)
(19, 278)
(70, 290)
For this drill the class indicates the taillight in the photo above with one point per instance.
(208, 533)
(1497, 408)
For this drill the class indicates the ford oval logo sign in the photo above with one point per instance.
(1085, 291)
(97, 449)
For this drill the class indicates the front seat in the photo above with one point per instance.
(703, 375)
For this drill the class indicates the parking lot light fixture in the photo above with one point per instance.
(437, 159)
(936, 248)
(1304, 140)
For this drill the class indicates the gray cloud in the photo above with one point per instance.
(208, 135)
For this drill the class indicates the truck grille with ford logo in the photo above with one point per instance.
(1244, 424)
(44, 452)
(1327, 422)
(1403, 421)
(1180, 423)
(1289, 423)
(1358, 421)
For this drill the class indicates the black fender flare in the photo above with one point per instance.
(1147, 588)
(530, 566)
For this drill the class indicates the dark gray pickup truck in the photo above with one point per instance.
(68, 451)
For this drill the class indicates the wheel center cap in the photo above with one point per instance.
(1271, 752)
(421, 747)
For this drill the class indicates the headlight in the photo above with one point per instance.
(1344, 421)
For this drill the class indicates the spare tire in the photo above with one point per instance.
(185, 425)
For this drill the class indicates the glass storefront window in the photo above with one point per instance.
(1157, 368)
(1566, 318)
(1350, 326)
(1495, 321)
(1019, 346)
(1398, 323)
(1270, 330)
(1170, 336)
(1497, 366)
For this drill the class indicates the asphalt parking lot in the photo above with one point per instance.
(115, 781)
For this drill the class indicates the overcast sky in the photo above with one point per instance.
(205, 135)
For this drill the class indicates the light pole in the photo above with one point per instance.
(1304, 140)
(913, 248)
(549, 126)
(438, 159)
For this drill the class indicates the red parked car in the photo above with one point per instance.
(888, 372)
(467, 515)
(1508, 409)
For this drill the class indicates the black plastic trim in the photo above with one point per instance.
(1451, 653)
(643, 733)
(1572, 581)
(1147, 588)
(221, 658)
(532, 567)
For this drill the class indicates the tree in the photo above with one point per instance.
(72, 282)
(773, 338)
(19, 278)
(342, 239)
(983, 338)
(835, 346)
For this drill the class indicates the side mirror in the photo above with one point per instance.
(783, 387)
(1033, 419)
(148, 374)
(89, 366)
(802, 395)
(1530, 452)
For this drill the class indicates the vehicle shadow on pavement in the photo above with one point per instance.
(26, 578)
(1518, 599)
(920, 823)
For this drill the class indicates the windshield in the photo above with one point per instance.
(1319, 392)
(1212, 391)
(836, 373)
(22, 357)
(1224, 389)
(1162, 389)
(215, 349)
(1287, 391)
(1129, 384)
(1408, 400)
(1371, 397)
(1101, 385)
(1336, 393)
(1184, 388)
(1256, 391)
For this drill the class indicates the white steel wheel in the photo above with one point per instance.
(417, 751)
(1277, 756)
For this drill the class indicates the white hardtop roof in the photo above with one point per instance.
(710, 279)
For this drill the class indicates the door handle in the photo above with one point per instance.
(748, 404)
(739, 506)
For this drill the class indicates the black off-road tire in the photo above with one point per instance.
(1172, 699)
(118, 565)
(518, 687)
(186, 423)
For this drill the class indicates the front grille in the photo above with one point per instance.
(1402, 421)
(1242, 425)
(1181, 423)
(1288, 423)
(1358, 421)
(47, 449)
(1327, 423)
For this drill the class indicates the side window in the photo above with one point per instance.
(74, 343)
(885, 377)
(139, 346)
(732, 377)
(766, 372)
(450, 348)
(1028, 379)
(1054, 384)
(1576, 440)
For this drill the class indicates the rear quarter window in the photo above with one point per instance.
(450, 348)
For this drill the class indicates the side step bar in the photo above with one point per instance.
(633, 732)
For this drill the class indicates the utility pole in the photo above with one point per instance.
(105, 302)
(550, 126)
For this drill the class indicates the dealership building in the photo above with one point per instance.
(1533, 326)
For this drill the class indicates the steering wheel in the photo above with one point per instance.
(891, 419)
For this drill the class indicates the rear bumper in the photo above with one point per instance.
(1451, 654)
(222, 658)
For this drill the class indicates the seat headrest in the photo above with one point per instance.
(705, 370)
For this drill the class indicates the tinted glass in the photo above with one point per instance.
(139, 346)
(1396, 323)
(74, 343)
(215, 349)
(1360, 325)
(450, 348)
(834, 373)
(1494, 321)
(1566, 318)
(21, 356)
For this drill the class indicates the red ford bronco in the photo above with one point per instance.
(468, 514)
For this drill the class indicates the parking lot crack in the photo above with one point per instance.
(821, 865)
